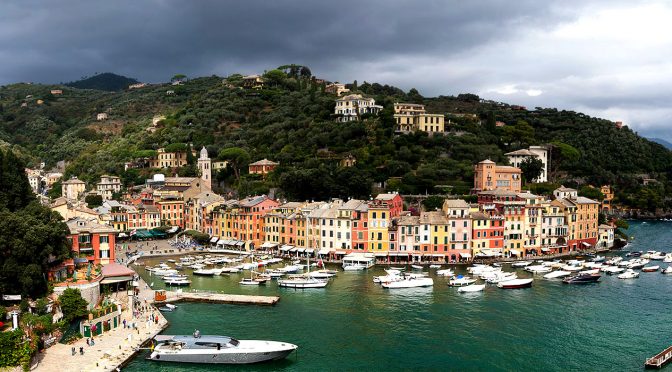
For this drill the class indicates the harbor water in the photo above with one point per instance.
(354, 324)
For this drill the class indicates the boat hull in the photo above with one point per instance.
(221, 358)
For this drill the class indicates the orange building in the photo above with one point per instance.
(91, 240)
(262, 167)
(490, 176)
(487, 237)
(608, 197)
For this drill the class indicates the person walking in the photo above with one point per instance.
(81, 350)
(73, 351)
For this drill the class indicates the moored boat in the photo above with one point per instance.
(409, 282)
(472, 288)
(650, 269)
(217, 350)
(628, 274)
(515, 283)
(557, 274)
(461, 281)
(668, 270)
(582, 279)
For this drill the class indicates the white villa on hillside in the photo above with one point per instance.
(352, 106)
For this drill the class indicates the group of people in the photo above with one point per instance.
(89, 342)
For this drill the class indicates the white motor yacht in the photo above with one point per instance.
(668, 258)
(177, 282)
(628, 274)
(217, 349)
(303, 280)
(409, 281)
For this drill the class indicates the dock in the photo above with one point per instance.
(659, 360)
(220, 298)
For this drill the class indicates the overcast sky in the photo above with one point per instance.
(611, 59)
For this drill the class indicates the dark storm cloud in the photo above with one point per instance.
(604, 58)
(151, 40)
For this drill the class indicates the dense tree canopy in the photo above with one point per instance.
(31, 236)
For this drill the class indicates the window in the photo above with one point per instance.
(104, 239)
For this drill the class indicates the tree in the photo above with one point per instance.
(178, 77)
(15, 191)
(531, 168)
(73, 305)
(591, 193)
(237, 157)
(275, 78)
(93, 200)
(433, 202)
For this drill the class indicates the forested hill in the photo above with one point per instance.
(291, 121)
(106, 81)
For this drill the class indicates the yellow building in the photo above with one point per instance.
(165, 159)
(379, 223)
(72, 188)
(410, 117)
(608, 193)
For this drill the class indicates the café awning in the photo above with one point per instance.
(545, 249)
(380, 254)
(214, 239)
(465, 255)
(323, 251)
(269, 245)
(514, 252)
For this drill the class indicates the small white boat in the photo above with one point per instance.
(170, 306)
(445, 272)
(178, 282)
(572, 268)
(171, 260)
(657, 256)
(401, 268)
(417, 267)
(611, 270)
(598, 258)
(461, 281)
(628, 274)
(668, 270)
(538, 269)
(668, 258)
(322, 274)
(472, 288)
(434, 266)
(650, 269)
(501, 277)
(516, 283)
(253, 281)
(354, 267)
(204, 272)
(590, 272)
(557, 274)
(409, 282)
(521, 263)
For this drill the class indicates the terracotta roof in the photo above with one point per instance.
(114, 269)
(73, 181)
(264, 162)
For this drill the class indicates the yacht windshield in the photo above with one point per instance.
(234, 342)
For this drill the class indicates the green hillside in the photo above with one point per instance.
(291, 122)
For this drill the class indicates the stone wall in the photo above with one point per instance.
(90, 292)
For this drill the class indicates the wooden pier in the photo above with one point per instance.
(660, 359)
(220, 298)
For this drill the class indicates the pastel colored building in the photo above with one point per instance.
(535, 152)
(353, 106)
(411, 117)
(91, 240)
(489, 176)
(336, 88)
(108, 186)
(164, 159)
(73, 188)
(263, 167)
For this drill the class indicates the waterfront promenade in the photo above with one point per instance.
(111, 348)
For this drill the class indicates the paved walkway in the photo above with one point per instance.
(111, 348)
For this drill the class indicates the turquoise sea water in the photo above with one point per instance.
(354, 324)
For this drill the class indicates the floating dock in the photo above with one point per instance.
(660, 359)
(220, 298)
